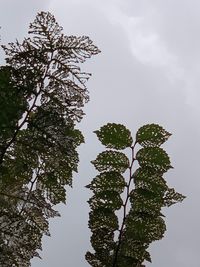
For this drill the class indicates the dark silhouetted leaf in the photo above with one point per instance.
(106, 199)
(115, 136)
(103, 218)
(172, 197)
(111, 161)
(154, 158)
(146, 179)
(102, 239)
(112, 180)
(132, 251)
(144, 228)
(145, 201)
(151, 135)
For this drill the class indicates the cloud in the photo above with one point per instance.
(162, 37)
(145, 42)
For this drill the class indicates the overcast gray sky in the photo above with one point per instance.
(148, 71)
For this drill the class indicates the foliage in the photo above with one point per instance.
(42, 92)
(121, 239)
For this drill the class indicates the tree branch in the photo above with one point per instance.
(125, 207)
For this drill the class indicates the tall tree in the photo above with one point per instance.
(42, 92)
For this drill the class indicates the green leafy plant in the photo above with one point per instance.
(42, 92)
(135, 187)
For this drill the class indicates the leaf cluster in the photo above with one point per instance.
(42, 92)
(122, 238)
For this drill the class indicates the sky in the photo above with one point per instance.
(148, 72)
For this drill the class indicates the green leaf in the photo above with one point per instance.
(102, 239)
(100, 259)
(172, 197)
(106, 199)
(132, 250)
(145, 201)
(146, 179)
(93, 260)
(127, 261)
(144, 228)
(76, 136)
(103, 218)
(115, 136)
(151, 135)
(154, 158)
(147, 256)
(111, 161)
(112, 180)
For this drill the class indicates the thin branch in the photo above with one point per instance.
(18, 129)
(30, 191)
(125, 207)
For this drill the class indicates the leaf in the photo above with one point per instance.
(93, 260)
(103, 218)
(100, 259)
(111, 161)
(76, 136)
(151, 135)
(147, 256)
(112, 180)
(127, 261)
(106, 199)
(144, 228)
(35, 218)
(172, 197)
(133, 251)
(115, 136)
(102, 239)
(154, 158)
(146, 179)
(145, 201)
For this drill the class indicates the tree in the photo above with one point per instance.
(42, 92)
